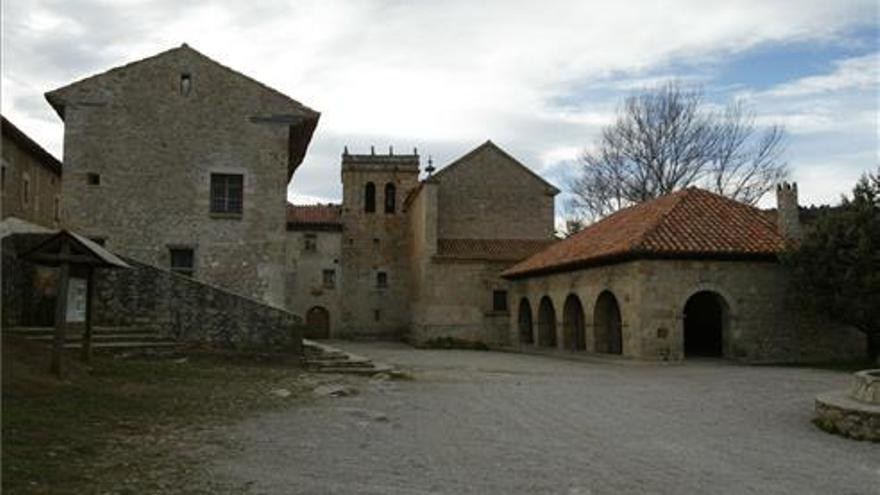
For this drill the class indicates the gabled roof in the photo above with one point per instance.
(83, 251)
(302, 122)
(489, 145)
(490, 249)
(691, 223)
(314, 217)
(29, 145)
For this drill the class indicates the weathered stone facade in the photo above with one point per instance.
(375, 244)
(757, 322)
(31, 183)
(314, 275)
(141, 145)
(147, 298)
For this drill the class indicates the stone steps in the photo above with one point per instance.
(111, 339)
(323, 358)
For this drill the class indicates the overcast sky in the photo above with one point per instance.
(540, 78)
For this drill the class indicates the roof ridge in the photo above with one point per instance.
(679, 196)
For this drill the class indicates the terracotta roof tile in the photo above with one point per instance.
(690, 222)
(314, 215)
(490, 249)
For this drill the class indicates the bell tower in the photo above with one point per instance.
(375, 243)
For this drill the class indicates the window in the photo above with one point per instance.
(499, 300)
(377, 315)
(227, 193)
(390, 199)
(99, 240)
(3, 179)
(310, 243)
(329, 279)
(370, 197)
(57, 209)
(381, 280)
(26, 190)
(93, 179)
(185, 84)
(182, 261)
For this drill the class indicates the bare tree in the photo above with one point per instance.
(666, 139)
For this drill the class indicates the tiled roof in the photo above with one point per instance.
(688, 223)
(490, 249)
(306, 216)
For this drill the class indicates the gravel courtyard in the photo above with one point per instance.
(495, 423)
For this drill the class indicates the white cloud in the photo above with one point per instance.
(438, 75)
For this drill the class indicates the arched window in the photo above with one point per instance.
(370, 198)
(390, 199)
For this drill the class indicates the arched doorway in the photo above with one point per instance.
(317, 323)
(525, 322)
(573, 323)
(705, 318)
(607, 324)
(546, 323)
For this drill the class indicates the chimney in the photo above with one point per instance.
(787, 212)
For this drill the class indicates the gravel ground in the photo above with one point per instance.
(481, 423)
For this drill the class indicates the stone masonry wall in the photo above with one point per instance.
(487, 195)
(373, 243)
(191, 311)
(761, 324)
(45, 186)
(304, 275)
(155, 148)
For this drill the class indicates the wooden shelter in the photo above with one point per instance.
(77, 258)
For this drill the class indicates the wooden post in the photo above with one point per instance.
(60, 310)
(86, 349)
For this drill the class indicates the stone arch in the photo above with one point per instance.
(607, 324)
(317, 323)
(546, 323)
(573, 324)
(705, 324)
(525, 322)
(390, 198)
(370, 197)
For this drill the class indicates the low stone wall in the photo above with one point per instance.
(152, 299)
(191, 311)
(854, 413)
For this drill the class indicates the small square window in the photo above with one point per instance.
(93, 179)
(310, 243)
(227, 193)
(329, 279)
(381, 280)
(182, 261)
(499, 300)
(99, 240)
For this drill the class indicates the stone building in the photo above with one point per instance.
(30, 186)
(180, 162)
(314, 246)
(420, 259)
(685, 275)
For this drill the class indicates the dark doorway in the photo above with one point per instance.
(546, 323)
(317, 323)
(573, 323)
(704, 316)
(525, 322)
(607, 324)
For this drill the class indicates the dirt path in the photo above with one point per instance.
(476, 422)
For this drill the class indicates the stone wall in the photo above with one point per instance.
(374, 243)
(189, 310)
(489, 195)
(152, 299)
(305, 274)
(760, 323)
(153, 147)
(20, 165)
